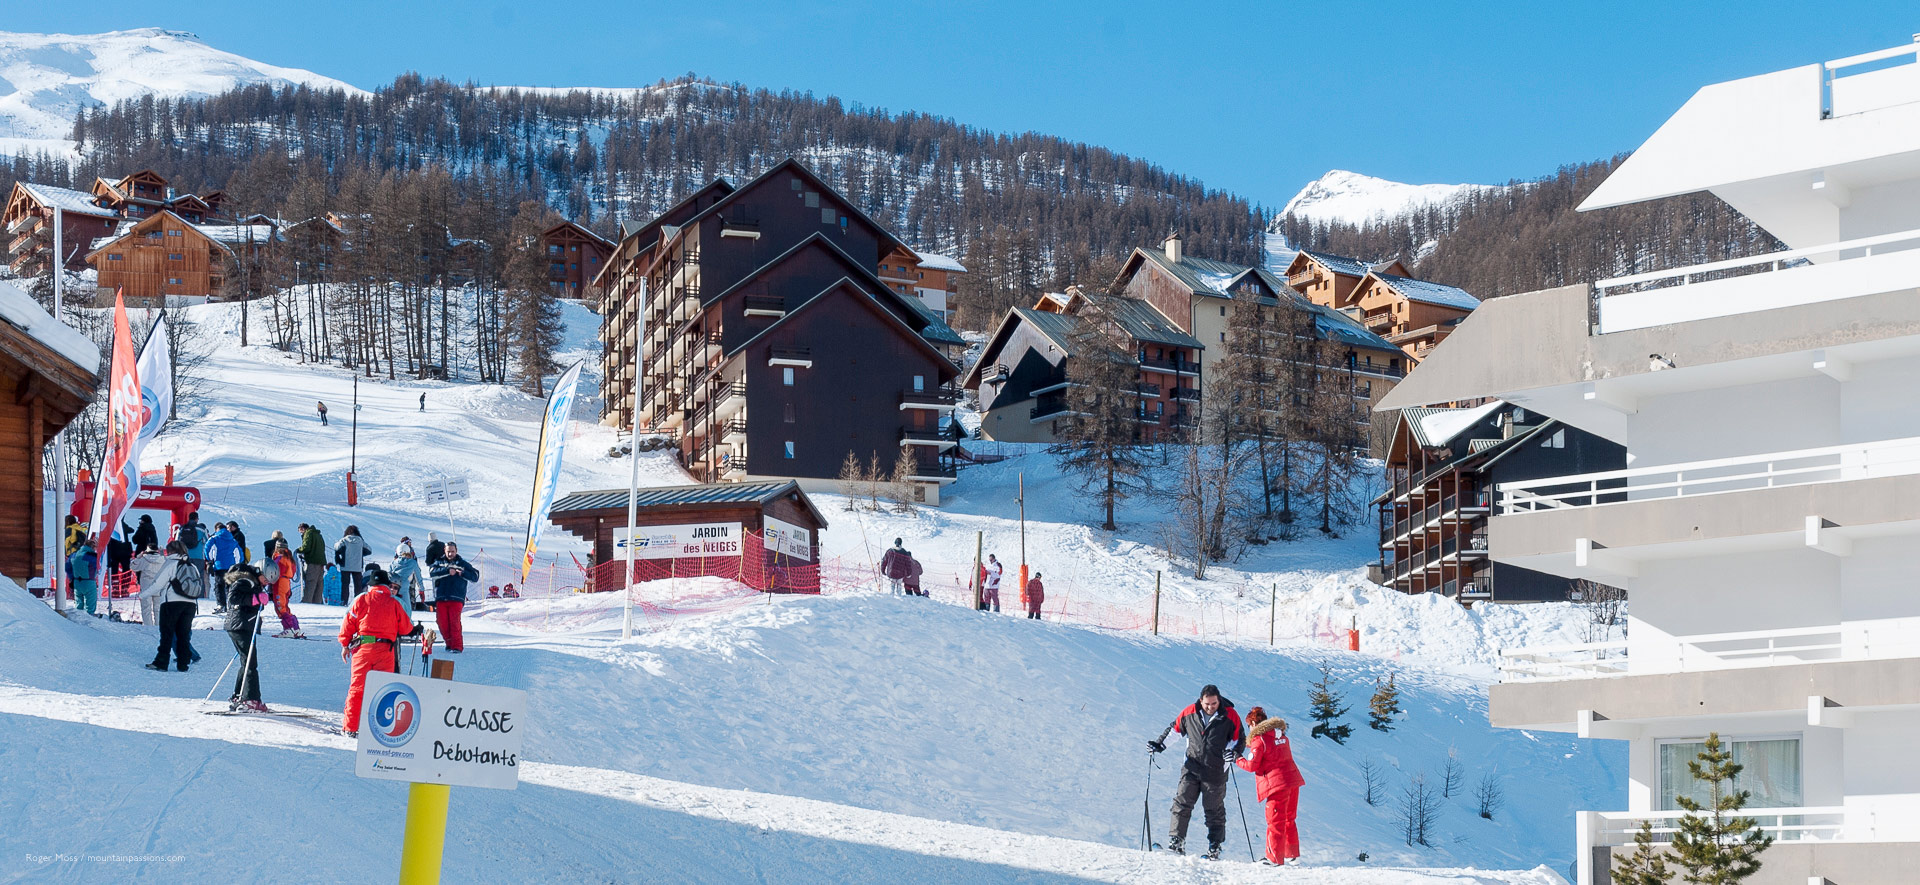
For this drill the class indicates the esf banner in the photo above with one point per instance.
(437, 731)
(680, 541)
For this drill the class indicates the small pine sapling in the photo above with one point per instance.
(1327, 709)
(1371, 779)
(1488, 797)
(1717, 848)
(1647, 865)
(1384, 705)
(1452, 775)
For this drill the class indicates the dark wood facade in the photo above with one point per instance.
(575, 257)
(40, 392)
(1442, 470)
(772, 349)
(161, 256)
(28, 222)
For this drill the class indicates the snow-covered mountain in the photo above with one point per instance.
(45, 79)
(1352, 198)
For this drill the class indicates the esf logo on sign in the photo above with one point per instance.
(396, 715)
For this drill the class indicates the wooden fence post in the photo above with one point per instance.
(1273, 613)
(1156, 603)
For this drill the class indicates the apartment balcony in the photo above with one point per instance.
(729, 399)
(1149, 391)
(911, 435)
(1048, 408)
(20, 243)
(1175, 366)
(1186, 394)
(1381, 320)
(1052, 384)
(1303, 278)
(798, 357)
(933, 471)
(1820, 844)
(996, 375)
(1825, 673)
(764, 305)
(1601, 525)
(22, 222)
(939, 399)
(734, 432)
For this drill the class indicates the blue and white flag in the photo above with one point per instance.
(546, 469)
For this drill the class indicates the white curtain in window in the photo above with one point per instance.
(1771, 773)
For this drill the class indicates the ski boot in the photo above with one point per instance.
(1213, 851)
(1177, 846)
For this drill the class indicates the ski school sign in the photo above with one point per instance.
(680, 541)
(437, 731)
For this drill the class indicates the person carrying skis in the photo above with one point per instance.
(1277, 782)
(893, 564)
(990, 599)
(278, 576)
(313, 565)
(1214, 738)
(1035, 594)
(451, 574)
(245, 597)
(178, 587)
(223, 552)
(350, 555)
(83, 569)
(374, 623)
(406, 572)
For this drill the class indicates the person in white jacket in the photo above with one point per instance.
(145, 567)
(176, 609)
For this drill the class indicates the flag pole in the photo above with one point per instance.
(633, 455)
(59, 541)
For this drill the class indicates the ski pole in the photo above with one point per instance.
(252, 642)
(1243, 814)
(1146, 808)
(223, 675)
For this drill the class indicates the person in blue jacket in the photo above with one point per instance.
(451, 574)
(84, 568)
(223, 551)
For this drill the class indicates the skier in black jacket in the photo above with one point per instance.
(245, 596)
(1214, 739)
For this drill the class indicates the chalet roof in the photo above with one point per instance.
(706, 495)
(887, 239)
(1141, 321)
(936, 261)
(1429, 292)
(1333, 325)
(66, 200)
(18, 309)
(127, 230)
(1339, 264)
(1434, 427)
(1205, 276)
(850, 283)
(241, 233)
(578, 229)
(936, 329)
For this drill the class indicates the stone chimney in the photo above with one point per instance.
(1172, 246)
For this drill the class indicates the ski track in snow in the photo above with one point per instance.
(856, 737)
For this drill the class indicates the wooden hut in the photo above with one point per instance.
(744, 531)
(47, 374)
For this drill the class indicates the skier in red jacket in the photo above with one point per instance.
(1277, 782)
(374, 623)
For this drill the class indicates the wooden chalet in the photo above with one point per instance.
(600, 517)
(28, 220)
(1443, 465)
(1413, 314)
(165, 256)
(575, 256)
(772, 349)
(47, 376)
(145, 194)
(928, 276)
(1329, 280)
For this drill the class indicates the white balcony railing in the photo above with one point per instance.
(1608, 829)
(1864, 266)
(1894, 457)
(1852, 641)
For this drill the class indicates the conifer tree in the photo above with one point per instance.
(1327, 709)
(1100, 443)
(1384, 705)
(1647, 865)
(1717, 848)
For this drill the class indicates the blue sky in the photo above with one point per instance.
(1257, 98)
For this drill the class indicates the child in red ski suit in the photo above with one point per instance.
(374, 623)
(1277, 781)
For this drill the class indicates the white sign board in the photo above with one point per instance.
(787, 538)
(440, 491)
(457, 489)
(680, 541)
(437, 731)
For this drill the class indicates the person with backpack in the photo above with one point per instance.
(278, 576)
(245, 597)
(178, 587)
(436, 548)
(350, 556)
(1214, 738)
(192, 535)
(223, 552)
(1277, 782)
(369, 633)
(912, 581)
(83, 569)
(406, 573)
(451, 574)
(313, 565)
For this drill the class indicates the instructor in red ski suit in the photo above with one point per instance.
(374, 624)
(1277, 781)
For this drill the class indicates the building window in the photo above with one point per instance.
(173, 281)
(786, 376)
(827, 214)
(175, 256)
(174, 233)
(789, 413)
(919, 383)
(813, 200)
(1557, 441)
(1223, 310)
(115, 257)
(789, 449)
(1771, 771)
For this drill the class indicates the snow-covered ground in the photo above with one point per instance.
(45, 79)
(854, 736)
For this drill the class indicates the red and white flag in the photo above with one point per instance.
(119, 472)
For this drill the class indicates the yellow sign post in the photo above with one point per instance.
(426, 820)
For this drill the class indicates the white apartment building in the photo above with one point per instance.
(1767, 526)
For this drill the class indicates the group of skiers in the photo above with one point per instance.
(902, 572)
(198, 563)
(1216, 738)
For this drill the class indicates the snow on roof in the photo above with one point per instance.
(1218, 282)
(937, 261)
(239, 233)
(1442, 426)
(19, 310)
(1339, 264)
(67, 200)
(1430, 292)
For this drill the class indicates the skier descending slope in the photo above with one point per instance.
(374, 623)
(1214, 739)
